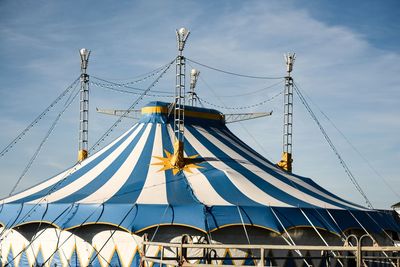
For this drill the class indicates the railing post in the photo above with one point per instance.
(177, 253)
(358, 255)
(182, 250)
(327, 258)
(162, 255)
(261, 258)
(180, 256)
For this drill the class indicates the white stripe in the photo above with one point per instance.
(64, 174)
(242, 183)
(290, 190)
(91, 174)
(203, 190)
(114, 184)
(281, 172)
(200, 185)
(154, 189)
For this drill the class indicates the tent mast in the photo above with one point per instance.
(84, 106)
(286, 161)
(179, 106)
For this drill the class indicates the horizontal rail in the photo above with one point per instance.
(274, 247)
(390, 254)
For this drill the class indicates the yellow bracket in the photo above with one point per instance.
(178, 159)
(286, 162)
(82, 154)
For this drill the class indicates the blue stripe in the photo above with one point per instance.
(178, 189)
(156, 214)
(309, 181)
(317, 186)
(220, 182)
(272, 172)
(265, 186)
(228, 133)
(75, 175)
(132, 188)
(105, 175)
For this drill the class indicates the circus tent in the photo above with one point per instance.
(128, 184)
(108, 201)
(179, 171)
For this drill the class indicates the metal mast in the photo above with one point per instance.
(179, 105)
(84, 106)
(286, 161)
(194, 75)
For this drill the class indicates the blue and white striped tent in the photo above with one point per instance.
(229, 184)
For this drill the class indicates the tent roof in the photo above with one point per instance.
(124, 184)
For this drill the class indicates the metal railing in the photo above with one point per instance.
(206, 254)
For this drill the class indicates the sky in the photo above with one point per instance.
(347, 66)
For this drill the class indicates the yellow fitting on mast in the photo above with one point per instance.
(178, 159)
(286, 162)
(82, 155)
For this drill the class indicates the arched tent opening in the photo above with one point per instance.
(88, 231)
(308, 235)
(166, 233)
(30, 229)
(242, 234)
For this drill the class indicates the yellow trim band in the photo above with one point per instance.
(156, 109)
(189, 113)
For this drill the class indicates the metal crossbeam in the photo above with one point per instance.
(230, 118)
(133, 114)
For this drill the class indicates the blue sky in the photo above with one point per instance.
(348, 54)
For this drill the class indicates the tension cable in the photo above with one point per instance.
(43, 142)
(329, 141)
(243, 107)
(233, 73)
(254, 92)
(144, 76)
(353, 147)
(115, 124)
(38, 118)
(107, 87)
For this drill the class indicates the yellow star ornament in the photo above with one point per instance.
(176, 161)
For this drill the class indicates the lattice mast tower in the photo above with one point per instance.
(286, 161)
(84, 106)
(179, 105)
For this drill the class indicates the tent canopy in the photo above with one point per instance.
(127, 184)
